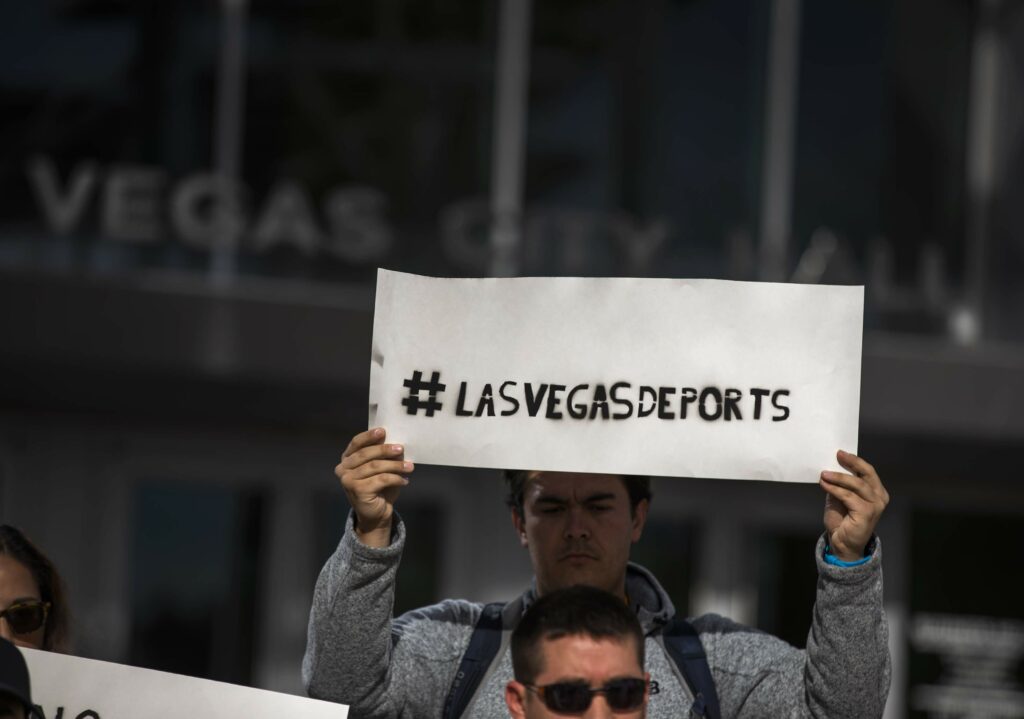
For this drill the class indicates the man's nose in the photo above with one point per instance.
(599, 709)
(577, 524)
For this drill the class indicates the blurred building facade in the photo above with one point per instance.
(195, 196)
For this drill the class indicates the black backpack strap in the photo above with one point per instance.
(683, 644)
(483, 646)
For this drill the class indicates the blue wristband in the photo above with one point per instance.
(833, 559)
(836, 561)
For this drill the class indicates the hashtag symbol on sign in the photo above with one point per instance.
(413, 403)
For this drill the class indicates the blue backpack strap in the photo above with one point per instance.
(483, 646)
(683, 645)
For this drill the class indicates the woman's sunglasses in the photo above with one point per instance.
(622, 695)
(27, 616)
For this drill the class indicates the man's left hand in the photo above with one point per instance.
(853, 506)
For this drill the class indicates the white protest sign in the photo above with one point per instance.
(698, 378)
(76, 688)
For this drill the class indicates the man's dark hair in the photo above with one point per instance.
(571, 612)
(637, 487)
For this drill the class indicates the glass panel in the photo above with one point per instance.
(360, 123)
(194, 580)
(668, 550)
(880, 192)
(644, 130)
(787, 578)
(840, 131)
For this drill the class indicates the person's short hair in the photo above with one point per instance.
(17, 546)
(571, 612)
(638, 487)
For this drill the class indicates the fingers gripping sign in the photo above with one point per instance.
(372, 473)
(853, 505)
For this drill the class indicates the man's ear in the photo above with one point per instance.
(520, 527)
(639, 519)
(515, 699)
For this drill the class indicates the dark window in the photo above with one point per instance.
(668, 551)
(786, 580)
(195, 577)
(359, 126)
(644, 133)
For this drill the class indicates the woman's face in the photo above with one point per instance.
(17, 585)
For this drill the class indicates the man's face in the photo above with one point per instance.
(576, 659)
(578, 529)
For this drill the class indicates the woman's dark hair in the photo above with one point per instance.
(17, 546)
(637, 486)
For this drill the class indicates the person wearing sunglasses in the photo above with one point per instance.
(33, 610)
(452, 659)
(578, 652)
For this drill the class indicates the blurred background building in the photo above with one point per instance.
(194, 196)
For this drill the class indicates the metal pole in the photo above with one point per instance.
(509, 148)
(779, 138)
(228, 128)
(982, 171)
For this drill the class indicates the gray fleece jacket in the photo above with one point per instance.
(357, 655)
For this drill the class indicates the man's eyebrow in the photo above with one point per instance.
(550, 499)
(590, 498)
(571, 680)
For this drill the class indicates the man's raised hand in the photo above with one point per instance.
(372, 474)
(853, 505)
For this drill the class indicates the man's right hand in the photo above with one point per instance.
(371, 474)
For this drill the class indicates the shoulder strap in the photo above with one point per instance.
(483, 645)
(683, 645)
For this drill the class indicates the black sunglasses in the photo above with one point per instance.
(26, 616)
(623, 695)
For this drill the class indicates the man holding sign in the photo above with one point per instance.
(753, 380)
(579, 528)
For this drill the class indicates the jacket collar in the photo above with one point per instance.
(646, 596)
